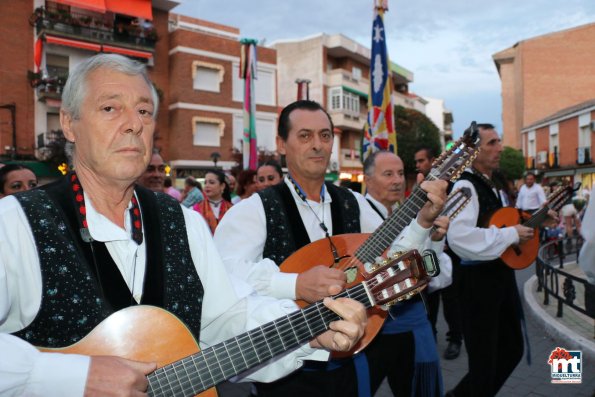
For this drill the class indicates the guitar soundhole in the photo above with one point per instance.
(351, 274)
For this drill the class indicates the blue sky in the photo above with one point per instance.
(447, 44)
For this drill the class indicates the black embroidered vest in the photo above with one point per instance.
(72, 301)
(488, 200)
(286, 232)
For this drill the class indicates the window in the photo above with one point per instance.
(342, 100)
(207, 76)
(554, 138)
(265, 132)
(356, 73)
(207, 131)
(531, 146)
(264, 85)
(335, 95)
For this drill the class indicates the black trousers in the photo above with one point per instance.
(320, 383)
(450, 303)
(491, 318)
(392, 356)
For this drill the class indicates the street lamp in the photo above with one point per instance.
(215, 157)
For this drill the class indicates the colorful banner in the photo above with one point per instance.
(248, 73)
(379, 132)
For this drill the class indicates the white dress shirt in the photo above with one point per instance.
(477, 243)
(586, 258)
(229, 308)
(530, 198)
(242, 233)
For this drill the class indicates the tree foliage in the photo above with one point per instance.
(512, 163)
(414, 129)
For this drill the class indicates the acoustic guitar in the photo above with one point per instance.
(521, 256)
(355, 253)
(151, 334)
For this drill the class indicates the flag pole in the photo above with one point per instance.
(248, 67)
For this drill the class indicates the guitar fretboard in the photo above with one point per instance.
(203, 370)
(385, 234)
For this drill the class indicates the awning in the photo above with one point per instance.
(72, 43)
(558, 173)
(94, 5)
(133, 8)
(127, 51)
(356, 92)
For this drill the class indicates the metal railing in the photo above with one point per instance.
(95, 28)
(558, 283)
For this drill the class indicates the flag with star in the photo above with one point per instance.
(379, 132)
(248, 74)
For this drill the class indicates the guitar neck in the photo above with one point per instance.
(203, 370)
(537, 218)
(384, 235)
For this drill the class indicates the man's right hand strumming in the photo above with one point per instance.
(525, 233)
(319, 282)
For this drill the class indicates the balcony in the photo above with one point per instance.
(94, 27)
(47, 87)
(583, 155)
(342, 77)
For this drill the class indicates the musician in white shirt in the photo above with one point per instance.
(108, 111)
(531, 195)
(491, 307)
(259, 233)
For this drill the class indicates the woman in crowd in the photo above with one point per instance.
(246, 185)
(217, 199)
(16, 178)
(268, 174)
(192, 193)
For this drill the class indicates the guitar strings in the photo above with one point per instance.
(283, 328)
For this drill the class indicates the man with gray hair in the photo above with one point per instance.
(415, 371)
(77, 250)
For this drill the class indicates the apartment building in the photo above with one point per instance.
(206, 96)
(543, 75)
(338, 69)
(560, 146)
(193, 64)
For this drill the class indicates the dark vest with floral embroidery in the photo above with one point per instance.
(286, 232)
(81, 285)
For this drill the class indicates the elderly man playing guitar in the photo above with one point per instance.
(77, 250)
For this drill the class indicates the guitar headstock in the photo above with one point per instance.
(450, 165)
(561, 196)
(401, 276)
(456, 201)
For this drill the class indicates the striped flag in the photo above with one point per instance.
(379, 133)
(248, 73)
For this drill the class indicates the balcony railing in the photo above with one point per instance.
(47, 86)
(94, 27)
(583, 155)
